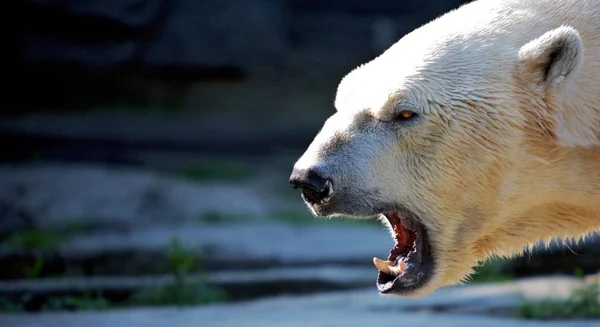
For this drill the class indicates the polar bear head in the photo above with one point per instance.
(433, 137)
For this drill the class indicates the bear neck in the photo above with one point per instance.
(558, 197)
(558, 193)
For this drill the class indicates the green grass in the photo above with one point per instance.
(181, 262)
(39, 240)
(32, 240)
(491, 271)
(582, 304)
(40, 243)
(7, 305)
(87, 301)
(216, 169)
(186, 294)
(36, 269)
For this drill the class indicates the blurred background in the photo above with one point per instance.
(147, 145)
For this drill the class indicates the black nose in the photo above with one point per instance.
(315, 188)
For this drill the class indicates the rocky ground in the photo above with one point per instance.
(227, 227)
(162, 234)
(483, 305)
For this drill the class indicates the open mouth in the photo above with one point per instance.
(410, 263)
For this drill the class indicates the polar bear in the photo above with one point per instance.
(475, 135)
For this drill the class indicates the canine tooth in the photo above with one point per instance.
(383, 266)
(399, 269)
(388, 267)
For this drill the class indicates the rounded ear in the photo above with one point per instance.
(553, 57)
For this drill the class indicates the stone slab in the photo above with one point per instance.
(347, 309)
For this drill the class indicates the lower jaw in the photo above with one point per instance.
(419, 261)
(419, 272)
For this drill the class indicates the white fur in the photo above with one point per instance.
(481, 43)
(503, 153)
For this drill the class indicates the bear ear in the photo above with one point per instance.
(552, 57)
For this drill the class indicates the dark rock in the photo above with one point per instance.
(93, 33)
(157, 33)
(221, 33)
(375, 7)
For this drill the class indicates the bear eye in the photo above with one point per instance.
(406, 115)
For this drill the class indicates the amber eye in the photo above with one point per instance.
(406, 115)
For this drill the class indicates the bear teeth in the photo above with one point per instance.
(388, 267)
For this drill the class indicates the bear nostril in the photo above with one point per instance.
(313, 195)
(310, 194)
(327, 190)
(315, 188)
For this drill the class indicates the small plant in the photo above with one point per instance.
(86, 301)
(35, 270)
(180, 260)
(6, 305)
(32, 240)
(36, 242)
(583, 303)
(181, 263)
(179, 294)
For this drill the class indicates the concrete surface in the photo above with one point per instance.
(55, 196)
(348, 309)
(340, 276)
